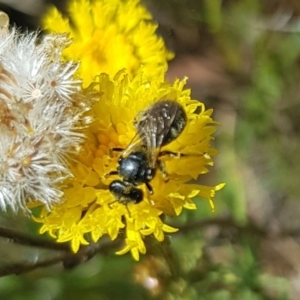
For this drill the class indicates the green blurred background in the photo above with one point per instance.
(242, 58)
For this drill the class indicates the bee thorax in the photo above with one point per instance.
(135, 169)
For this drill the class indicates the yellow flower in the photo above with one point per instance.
(110, 35)
(90, 210)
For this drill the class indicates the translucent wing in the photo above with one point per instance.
(160, 124)
(135, 144)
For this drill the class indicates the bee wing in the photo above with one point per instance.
(154, 125)
(134, 144)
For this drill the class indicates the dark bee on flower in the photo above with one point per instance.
(157, 126)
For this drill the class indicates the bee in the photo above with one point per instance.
(157, 126)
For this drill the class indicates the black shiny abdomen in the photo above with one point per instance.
(177, 126)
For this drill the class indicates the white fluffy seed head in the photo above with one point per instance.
(41, 104)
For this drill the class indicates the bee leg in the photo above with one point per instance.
(172, 154)
(115, 149)
(109, 204)
(128, 210)
(110, 174)
(162, 168)
(149, 187)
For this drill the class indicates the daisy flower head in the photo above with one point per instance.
(41, 103)
(110, 35)
(94, 207)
